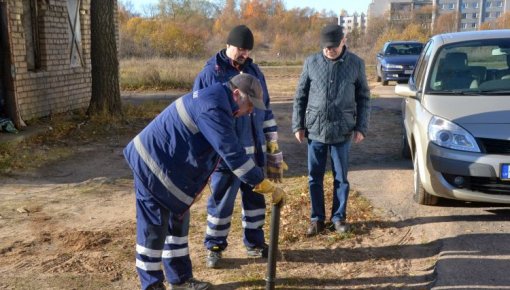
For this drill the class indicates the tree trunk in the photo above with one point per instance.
(105, 64)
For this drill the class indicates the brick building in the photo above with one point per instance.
(45, 57)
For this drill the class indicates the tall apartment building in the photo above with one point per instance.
(472, 13)
(349, 23)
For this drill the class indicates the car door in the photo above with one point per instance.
(412, 105)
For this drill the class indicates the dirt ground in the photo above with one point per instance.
(71, 225)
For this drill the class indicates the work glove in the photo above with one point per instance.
(275, 163)
(266, 187)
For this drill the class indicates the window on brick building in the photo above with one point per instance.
(75, 49)
(31, 28)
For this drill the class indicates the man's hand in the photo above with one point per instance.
(275, 163)
(357, 137)
(300, 135)
(266, 187)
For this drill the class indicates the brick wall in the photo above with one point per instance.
(57, 86)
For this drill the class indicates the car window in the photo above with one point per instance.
(472, 66)
(419, 71)
(404, 49)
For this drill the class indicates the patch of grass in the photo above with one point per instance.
(159, 73)
(295, 215)
(62, 132)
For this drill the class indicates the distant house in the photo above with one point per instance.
(355, 21)
(45, 57)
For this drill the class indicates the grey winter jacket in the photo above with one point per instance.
(332, 98)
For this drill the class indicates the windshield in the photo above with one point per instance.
(472, 67)
(404, 49)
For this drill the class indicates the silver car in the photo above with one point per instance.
(456, 115)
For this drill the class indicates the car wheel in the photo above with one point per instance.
(420, 195)
(385, 83)
(378, 75)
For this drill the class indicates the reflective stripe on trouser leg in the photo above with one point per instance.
(253, 215)
(220, 206)
(176, 260)
(151, 229)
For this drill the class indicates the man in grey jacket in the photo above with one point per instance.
(331, 108)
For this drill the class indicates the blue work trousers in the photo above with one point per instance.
(220, 207)
(317, 158)
(161, 241)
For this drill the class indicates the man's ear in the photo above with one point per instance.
(236, 95)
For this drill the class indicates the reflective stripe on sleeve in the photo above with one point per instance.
(269, 123)
(243, 169)
(218, 221)
(249, 150)
(186, 119)
(148, 266)
(148, 252)
(153, 166)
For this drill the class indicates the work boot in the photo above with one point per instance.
(157, 286)
(258, 251)
(213, 257)
(316, 227)
(341, 227)
(191, 284)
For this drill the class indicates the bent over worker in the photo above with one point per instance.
(253, 131)
(172, 159)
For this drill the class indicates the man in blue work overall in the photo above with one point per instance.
(172, 159)
(256, 132)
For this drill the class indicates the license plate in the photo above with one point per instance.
(505, 171)
(408, 71)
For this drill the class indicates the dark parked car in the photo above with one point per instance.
(396, 60)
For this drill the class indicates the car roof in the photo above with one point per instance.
(453, 37)
(403, 41)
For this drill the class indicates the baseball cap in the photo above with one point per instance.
(331, 35)
(250, 86)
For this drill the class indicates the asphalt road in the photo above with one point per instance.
(470, 241)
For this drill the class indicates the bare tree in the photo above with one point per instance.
(105, 64)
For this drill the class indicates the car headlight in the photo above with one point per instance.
(447, 134)
(393, 66)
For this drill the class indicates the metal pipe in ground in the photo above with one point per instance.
(273, 247)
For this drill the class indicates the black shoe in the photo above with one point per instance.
(191, 284)
(341, 227)
(316, 227)
(157, 286)
(213, 257)
(258, 251)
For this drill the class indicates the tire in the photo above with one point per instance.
(377, 74)
(420, 195)
(384, 83)
(405, 148)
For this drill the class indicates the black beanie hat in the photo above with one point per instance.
(331, 35)
(241, 36)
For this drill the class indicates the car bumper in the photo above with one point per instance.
(466, 175)
(395, 75)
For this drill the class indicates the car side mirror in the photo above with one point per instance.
(405, 91)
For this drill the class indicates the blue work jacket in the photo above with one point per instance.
(250, 129)
(177, 152)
